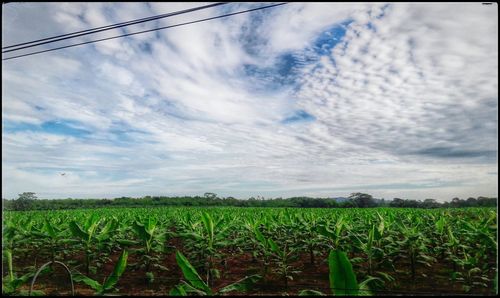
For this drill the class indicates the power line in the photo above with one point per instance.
(105, 28)
(150, 30)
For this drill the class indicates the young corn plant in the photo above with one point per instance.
(11, 282)
(203, 240)
(369, 247)
(195, 285)
(109, 283)
(86, 235)
(333, 237)
(309, 240)
(264, 249)
(414, 247)
(153, 242)
(342, 278)
(282, 258)
(51, 236)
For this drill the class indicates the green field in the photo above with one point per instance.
(187, 250)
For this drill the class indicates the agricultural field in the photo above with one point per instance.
(251, 251)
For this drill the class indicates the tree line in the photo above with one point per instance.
(29, 201)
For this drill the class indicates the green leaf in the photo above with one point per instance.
(117, 271)
(69, 241)
(323, 230)
(364, 289)
(273, 245)
(209, 226)
(440, 224)
(190, 274)
(342, 278)
(140, 230)
(150, 277)
(17, 282)
(88, 281)
(386, 276)
(105, 232)
(77, 231)
(150, 225)
(311, 293)
(260, 237)
(177, 291)
(244, 284)
(126, 242)
(160, 267)
(190, 289)
(39, 234)
(50, 230)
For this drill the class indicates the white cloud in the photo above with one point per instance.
(177, 112)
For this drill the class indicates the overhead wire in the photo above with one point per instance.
(56, 38)
(149, 30)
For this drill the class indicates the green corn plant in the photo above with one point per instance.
(51, 236)
(194, 284)
(208, 224)
(109, 283)
(309, 239)
(11, 282)
(282, 259)
(452, 248)
(440, 235)
(203, 239)
(334, 237)
(264, 248)
(342, 278)
(414, 247)
(369, 247)
(86, 235)
(153, 241)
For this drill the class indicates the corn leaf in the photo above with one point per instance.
(342, 278)
(273, 245)
(117, 271)
(260, 237)
(177, 291)
(77, 231)
(88, 281)
(209, 225)
(190, 274)
(50, 230)
(244, 284)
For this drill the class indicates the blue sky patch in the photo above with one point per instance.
(60, 127)
(329, 38)
(299, 116)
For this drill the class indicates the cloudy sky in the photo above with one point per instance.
(316, 99)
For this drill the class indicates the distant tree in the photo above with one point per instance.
(397, 202)
(456, 202)
(430, 203)
(24, 202)
(362, 200)
(471, 202)
(487, 202)
(210, 195)
(348, 204)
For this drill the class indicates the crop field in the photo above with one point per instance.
(251, 251)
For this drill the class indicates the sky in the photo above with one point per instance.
(304, 99)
